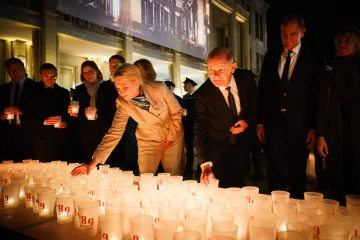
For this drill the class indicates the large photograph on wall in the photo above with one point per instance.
(182, 25)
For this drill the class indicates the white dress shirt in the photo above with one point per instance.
(235, 93)
(294, 56)
(225, 93)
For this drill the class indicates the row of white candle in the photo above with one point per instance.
(115, 192)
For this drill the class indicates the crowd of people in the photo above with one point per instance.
(134, 122)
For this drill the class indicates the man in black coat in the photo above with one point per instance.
(171, 87)
(15, 126)
(225, 106)
(49, 102)
(287, 108)
(188, 122)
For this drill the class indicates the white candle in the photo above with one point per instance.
(10, 203)
(90, 117)
(10, 116)
(63, 218)
(75, 109)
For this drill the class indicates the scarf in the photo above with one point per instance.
(92, 89)
(140, 101)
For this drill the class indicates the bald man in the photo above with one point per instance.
(225, 106)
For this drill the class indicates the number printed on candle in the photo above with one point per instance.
(5, 181)
(6, 198)
(157, 219)
(61, 209)
(105, 236)
(28, 196)
(87, 222)
(42, 206)
(135, 237)
(316, 230)
(91, 193)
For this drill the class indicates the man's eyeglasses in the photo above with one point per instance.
(49, 77)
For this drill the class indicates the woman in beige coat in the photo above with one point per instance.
(159, 132)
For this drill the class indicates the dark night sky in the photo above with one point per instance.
(322, 20)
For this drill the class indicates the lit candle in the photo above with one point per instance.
(9, 202)
(90, 117)
(75, 109)
(64, 218)
(57, 125)
(10, 116)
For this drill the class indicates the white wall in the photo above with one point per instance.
(72, 61)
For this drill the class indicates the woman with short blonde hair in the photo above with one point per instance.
(158, 114)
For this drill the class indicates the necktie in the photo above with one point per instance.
(232, 106)
(16, 95)
(285, 75)
(15, 101)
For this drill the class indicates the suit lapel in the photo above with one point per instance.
(277, 61)
(241, 93)
(8, 94)
(217, 94)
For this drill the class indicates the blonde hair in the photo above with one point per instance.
(128, 71)
(148, 68)
(354, 33)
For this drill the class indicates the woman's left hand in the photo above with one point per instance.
(165, 144)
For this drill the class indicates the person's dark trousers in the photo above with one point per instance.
(286, 153)
(15, 144)
(131, 155)
(189, 145)
(319, 171)
(50, 148)
(255, 149)
(229, 163)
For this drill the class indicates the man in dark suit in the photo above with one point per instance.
(15, 126)
(287, 107)
(171, 87)
(49, 102)
(225, 106)
(188, 122)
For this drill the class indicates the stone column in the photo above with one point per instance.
(170, 71)
(29, 62)
(48, 34)
(246, 47)
(128, 49)
(7, 54)
(176, 78)
(36, 49)
(232, 35)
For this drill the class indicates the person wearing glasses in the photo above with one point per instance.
(15, 127)
(159, 132)
(48, 112)
(96, 112)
